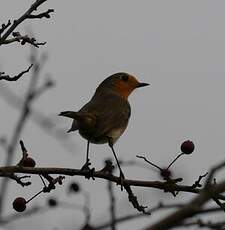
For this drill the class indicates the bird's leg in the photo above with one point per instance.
(88, 163)
(122, 177)
(88, 145)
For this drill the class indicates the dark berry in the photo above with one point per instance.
(74, 187)
(29, 162)
(19, 204)
(87, 227)
(52, 202)
(165, 173)
(187, 147)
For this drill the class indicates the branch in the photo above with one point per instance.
(23, 39)
(157, 208)
(45, 14)
(26, 15)
(25, 112)
(205, 224)
(100, 174)
(195, 205)
(5, 26)
(19, 180)
(16, 77)
(46, 123)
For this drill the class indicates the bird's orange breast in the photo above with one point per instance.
(123, 89)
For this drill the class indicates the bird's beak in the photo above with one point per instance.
(141, 84)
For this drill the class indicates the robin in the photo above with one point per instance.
(105, 117)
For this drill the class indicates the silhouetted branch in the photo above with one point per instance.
(45, 14)
(16, 77)
(23, 39)
(195, 205)
(9, 28)
(197, 183)
(153, 210)
(100, 174)
(19, 180)
(25, 112)
(205, 224)
(4, 27)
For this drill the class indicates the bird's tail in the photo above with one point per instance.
(85, 120)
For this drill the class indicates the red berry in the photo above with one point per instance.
(165, 173)
(29, 162)
(19, 204)
(187, 147)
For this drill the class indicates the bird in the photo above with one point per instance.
(105, 117)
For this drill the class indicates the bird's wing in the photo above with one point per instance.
(112, 115)
(112, 120)
(111, 112)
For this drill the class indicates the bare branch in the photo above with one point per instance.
(24, 115)
(99, 174)
(197, 183)
(23, 39)
(149, 162)
(4, 27)
(204, 224)
(26, 15)
(45, 14)
(195, 205)
(16, 77)
(19, 180)
(157, 208)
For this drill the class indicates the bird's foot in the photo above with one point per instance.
(90, 171)
(86, 165)
(121, 180)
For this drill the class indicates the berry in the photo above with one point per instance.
(52, 202)
(165, 173)
(29, 162)
(87, 227)
(74, 187)
(187, 147)
(19, 204)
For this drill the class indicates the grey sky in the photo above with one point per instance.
(176, 46)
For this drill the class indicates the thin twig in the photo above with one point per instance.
(145, 159)
(16, 77)
(4, 27)
(25, 16)
(45, 14)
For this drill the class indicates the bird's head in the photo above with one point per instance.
(122, 83)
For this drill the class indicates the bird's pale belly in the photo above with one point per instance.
(114, 134)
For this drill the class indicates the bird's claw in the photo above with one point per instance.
(86, 165)
(90, 171)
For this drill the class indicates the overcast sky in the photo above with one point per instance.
(176, 46)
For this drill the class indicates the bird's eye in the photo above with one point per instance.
(125, 77)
